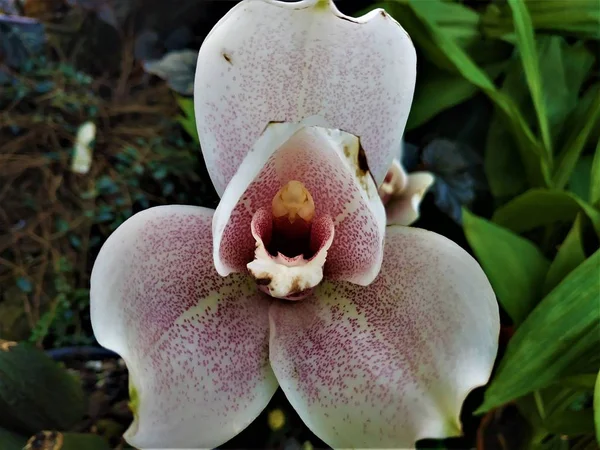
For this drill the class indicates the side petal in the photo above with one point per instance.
(390, 363)
(403, 208)
(270, 61)
(328, 163)
(195, 343)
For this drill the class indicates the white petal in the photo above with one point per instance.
(269, 61)
(391, 363)
(195, 343)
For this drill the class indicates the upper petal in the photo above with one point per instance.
(327, 162)
(268, 61)
(390, 363)
(195, 343)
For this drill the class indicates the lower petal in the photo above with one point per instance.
(195, 343)
(390, 363)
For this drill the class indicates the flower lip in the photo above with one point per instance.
(290, 275)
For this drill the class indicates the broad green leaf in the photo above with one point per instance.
(439, 90)
(540, 207)
(529, 58)
(563, 69)
(515, 267)
(35, 392)
(581, 178)
(569, 256)
(559, 338)
(578, 115)
(502, 163)
(595, 177)
(576, 140)
(597, 407)
(188, 119)
(11, 441)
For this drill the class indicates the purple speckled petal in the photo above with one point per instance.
(268, 61)
(390, 363)
(195, 343)
(327, 162)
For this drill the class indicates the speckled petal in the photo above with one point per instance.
(327, 162)
(390, 363)
(195, 343)
(268, 61)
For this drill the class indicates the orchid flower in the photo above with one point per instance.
(376, 335)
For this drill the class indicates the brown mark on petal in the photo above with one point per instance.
(358, 159)
(363, 166)
(263, 281)
(45, 440)
(295, 287)
(6, 345)
(227, 58)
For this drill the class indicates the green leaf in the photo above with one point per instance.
(188, 119)
(559, 338)
(503, 166)
(597, 407)
(595, 177)
(515, 267)
(577, 139)
(570, 254)
(540, 207)
(502, 163)
(580, 182)
(35, 392)
(563, 69)
(11, 441)
(438, 90)
(529, 58)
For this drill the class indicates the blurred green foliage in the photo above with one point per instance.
(537, 63)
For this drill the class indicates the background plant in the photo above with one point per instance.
(536, 63)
